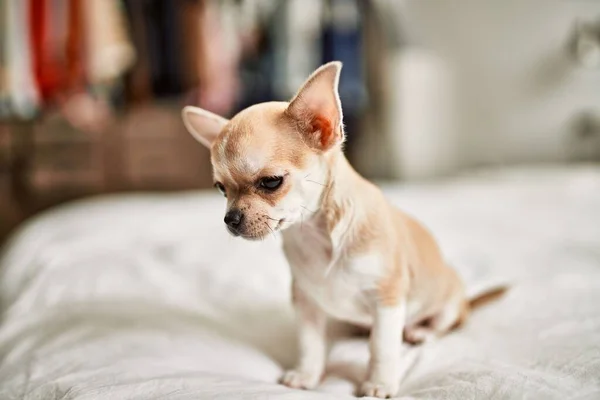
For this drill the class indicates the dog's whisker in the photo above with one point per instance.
(272, 219)
(318, 183)
(271, 229)
(309, 210)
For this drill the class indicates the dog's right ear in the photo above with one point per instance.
(317, 108)
(203, 125)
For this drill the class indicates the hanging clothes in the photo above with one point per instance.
(138, 82)
(4, 89)
(75, 46)
(341, 39)
(257, 64)
(109, 51)
(219, 84)
(296, 34)
(256, 71)
(52, 49)
(159, 35)
(190, 14)
(47, 46)
(22, 88)
(100, 53)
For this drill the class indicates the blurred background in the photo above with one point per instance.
(91, 90)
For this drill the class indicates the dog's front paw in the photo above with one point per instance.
(379, 389)
(418, 335)
(300, 379)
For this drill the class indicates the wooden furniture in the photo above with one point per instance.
(48, 162)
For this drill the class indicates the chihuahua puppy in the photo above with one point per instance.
(353, 256)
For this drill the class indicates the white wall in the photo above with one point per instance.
(515, 89)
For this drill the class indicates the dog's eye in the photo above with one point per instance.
(221, 188)
(271, 183)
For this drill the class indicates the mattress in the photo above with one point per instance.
(147, 297)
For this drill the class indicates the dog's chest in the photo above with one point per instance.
(340, 286)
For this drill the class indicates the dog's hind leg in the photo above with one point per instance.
(450, 317)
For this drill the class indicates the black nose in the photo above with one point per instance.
(233, 218)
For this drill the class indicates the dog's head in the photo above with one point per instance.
(271, 160)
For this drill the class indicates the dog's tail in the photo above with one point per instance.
(478, 299)
(487, 296)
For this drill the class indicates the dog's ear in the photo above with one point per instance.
(203, 125)
(317, 108)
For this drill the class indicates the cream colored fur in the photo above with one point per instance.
(353, 256)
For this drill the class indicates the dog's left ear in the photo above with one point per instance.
(203, 125)
(317, 108)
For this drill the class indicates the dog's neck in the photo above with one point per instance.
(341, 181)
(336, 200)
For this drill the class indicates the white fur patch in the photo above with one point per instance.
(385, 343)
(368, 267)
(251, 163)
(341, 287)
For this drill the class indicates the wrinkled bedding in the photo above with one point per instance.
(147, 297)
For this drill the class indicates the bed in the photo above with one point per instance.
(147, 297)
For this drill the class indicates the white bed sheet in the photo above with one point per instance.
(147, 297)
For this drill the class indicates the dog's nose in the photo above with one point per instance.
(233, 218)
